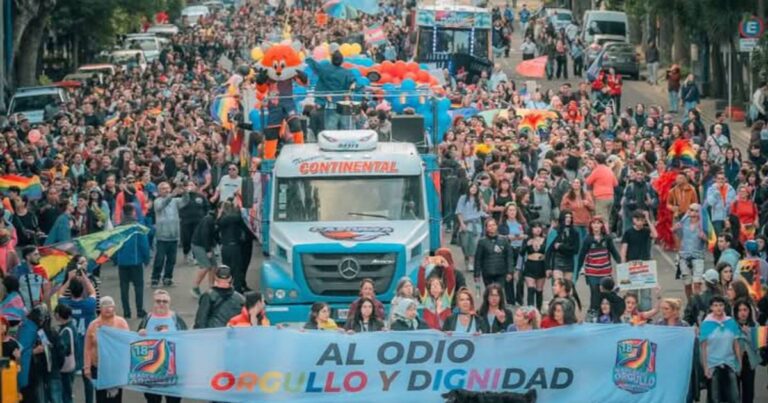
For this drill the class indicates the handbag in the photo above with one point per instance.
(69, 361)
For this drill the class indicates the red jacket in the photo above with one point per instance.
(243, 319)
(615, 84)
(548, 322)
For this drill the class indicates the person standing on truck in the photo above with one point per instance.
(219, 304)
(332, 79)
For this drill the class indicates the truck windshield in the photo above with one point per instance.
(33, 102)
(349, 199)
(450, 41)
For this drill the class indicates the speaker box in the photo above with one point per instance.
(410, 129)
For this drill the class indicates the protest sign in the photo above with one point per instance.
(580, 363)
(637, 275)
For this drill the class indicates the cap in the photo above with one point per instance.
(711, 276)
(751, 246)
(223, 272)
(106, 301)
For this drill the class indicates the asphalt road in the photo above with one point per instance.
(634, 92)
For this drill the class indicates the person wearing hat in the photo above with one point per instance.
(220, 303)
(699, 304)
(107, 318)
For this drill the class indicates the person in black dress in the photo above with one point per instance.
(534, 270)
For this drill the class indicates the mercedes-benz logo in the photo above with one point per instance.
(349, 268)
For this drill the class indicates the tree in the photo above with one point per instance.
(30, 18)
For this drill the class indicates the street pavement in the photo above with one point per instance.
(634, 92)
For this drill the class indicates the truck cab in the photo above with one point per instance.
(341, 210)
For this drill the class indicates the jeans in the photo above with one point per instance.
(523, 29)
(578, 66)
(88, 389)
(653, 72)
(723, 383)
(562, 66)
(67, 381)
(674, 100)
(335, 121)
(128, 275)
(690, 105)
(165, 255)
(594, 293)
(747, 381)
(54, 390)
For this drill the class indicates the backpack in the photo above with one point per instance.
(31, 289)
(68, 363)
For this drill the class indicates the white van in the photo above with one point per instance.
(605, 26)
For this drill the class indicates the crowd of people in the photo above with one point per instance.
(529, 209)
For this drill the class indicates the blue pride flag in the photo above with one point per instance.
(595, 67)
(578, 363)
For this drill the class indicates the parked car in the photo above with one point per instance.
(605, 26)
(163, 30)
(623, 58)
(85, 77)
(149, 43)
(103, 68)
(560, 18)
(191, 14)
(129, 59)
(37, 103)
(214, 5)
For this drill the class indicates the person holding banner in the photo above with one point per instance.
(406, 316)
(107, 318)
(562, 312)
(494, 309)
(320, 318)
(633, 315)
(526, 318)
(365, 319)
(253, 313)
(367, 290)
(465, 320)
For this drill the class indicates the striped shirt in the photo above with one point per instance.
(597, 262)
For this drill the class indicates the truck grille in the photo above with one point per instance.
(325, 276)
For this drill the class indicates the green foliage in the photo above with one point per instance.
(760, 59)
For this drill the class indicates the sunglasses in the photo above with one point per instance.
(162, 301)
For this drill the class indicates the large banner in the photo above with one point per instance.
(582, 363)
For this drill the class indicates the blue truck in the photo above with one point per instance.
(341, 210)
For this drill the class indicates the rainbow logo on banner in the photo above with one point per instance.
(635, 368)
(153, 363)
(29, 187)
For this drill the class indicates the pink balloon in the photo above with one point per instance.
(319, 53)
(34, 136)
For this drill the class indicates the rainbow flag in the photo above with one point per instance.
(749, 269)
(534, 119)
(759, 337)
(682, 152)
(221, 107)
(112, 120)
(98, 247)
(30, 187)
(709, 230)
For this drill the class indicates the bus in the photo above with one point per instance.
(450, 34)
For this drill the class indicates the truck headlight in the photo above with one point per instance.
(279, 293)
(293, 294)
(270, 293)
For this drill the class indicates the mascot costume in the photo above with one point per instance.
(277, 70)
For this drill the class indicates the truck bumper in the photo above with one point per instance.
(299, 313)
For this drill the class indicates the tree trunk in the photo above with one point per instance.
(681, 53)
(666, 32)
(29, 53)
(25, 14)
(719, 72)
(637, 30)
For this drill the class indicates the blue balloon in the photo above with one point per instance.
(408, 84)
(443, 105)
(360, 61)
(424, 66)
(356, 73)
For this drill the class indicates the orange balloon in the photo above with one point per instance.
(400, 68)
(396, 80)
(412, 67)
(386, 66)
(422, 76)
(385, 78)
(410, 75)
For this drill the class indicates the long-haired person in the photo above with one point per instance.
(525, 318)
(494, 309)
(744, 313)
(512, 226)
(320, 318)
(465, 320)
(366, 318)
(534, 270)
(561, 313)
(231, 234)
(470, 211)
(595, 259)
(564, 247)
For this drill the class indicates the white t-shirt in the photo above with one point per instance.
(228, 187)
